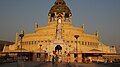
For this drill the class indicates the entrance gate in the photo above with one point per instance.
(58, 48)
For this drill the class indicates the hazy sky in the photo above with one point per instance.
(101, 15)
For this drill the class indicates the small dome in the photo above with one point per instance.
(60, 7)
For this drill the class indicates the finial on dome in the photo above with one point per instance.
(97, 33)
(16, 38)
(36, 25)
(83, 26)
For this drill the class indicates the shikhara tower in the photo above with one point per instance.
(60, 38)
(59, 14)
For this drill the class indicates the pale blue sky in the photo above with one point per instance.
(101, 15)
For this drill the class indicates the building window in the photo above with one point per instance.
(85, 43)
(67, 41)
(79, 42)
(27, 42)
(75, 55)
(75, 41)
(82, 42)
(32, 42)
(71, 41)
(46, 41)
(35, 42)
(49, 41)
(38, 55)
(88, 43)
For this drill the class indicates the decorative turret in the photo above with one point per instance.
(17, 38)
(36, 25)
(59, 10)
(97, 33)
(83, 26)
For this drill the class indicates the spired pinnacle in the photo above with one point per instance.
(60, 1)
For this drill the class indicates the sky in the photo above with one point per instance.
(96, 15)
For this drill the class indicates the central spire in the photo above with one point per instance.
(59, 10)
(60, 2)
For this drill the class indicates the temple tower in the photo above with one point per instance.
(58, 15)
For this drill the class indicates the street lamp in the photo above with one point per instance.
(76, 55)
(76, 36)
(21, 35)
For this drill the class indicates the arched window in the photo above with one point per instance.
(66, 15)
(35, 42)
(82, 42)
(52, 15)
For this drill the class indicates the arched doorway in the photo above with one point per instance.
(58, 48)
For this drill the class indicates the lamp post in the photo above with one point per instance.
(21, 35)
(76, 50)
(76, 37)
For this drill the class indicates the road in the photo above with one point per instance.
(49, 64)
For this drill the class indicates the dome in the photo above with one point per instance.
(60, 7)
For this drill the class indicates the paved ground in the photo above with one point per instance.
(81, 65)
(49, 64)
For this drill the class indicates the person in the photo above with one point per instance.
(60, 59)
(83, 60)
(76, 59)
(53, 60)
(56, 58)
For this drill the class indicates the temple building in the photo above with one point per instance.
(59, 38)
